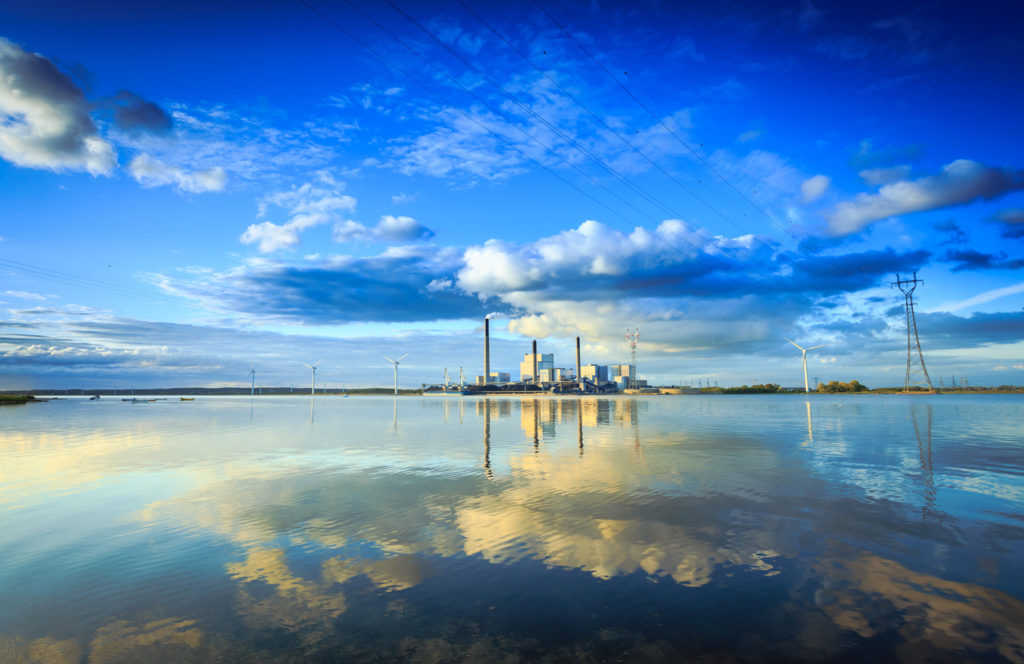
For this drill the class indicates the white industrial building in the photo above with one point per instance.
(496, 377)
(545, 361)
(595, 373)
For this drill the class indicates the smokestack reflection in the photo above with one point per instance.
(487, 350)
(579, 425)
(487, 439)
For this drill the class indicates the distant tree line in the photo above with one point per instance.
(769, 388)
(836, 386)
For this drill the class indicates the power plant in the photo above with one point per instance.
(538, 373)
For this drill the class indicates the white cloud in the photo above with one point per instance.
(46, 117)
(348, 230)
(307, 206)
(402, 229)
(961, 181)
(150, 172)
(577, 257)
(500, 139)
(25, 295)
(403, 197)
(388, 229)
(876, 177)
(814, 187)
(248, 144)
(980, 298)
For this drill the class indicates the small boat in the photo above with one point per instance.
(94, 397)
(188, 398)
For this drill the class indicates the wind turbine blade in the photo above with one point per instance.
(818, 346)
(389, 359)
(307, 365)
(794, 343)
(318, 363)
(403, 357)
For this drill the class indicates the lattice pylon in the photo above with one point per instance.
(917, 372)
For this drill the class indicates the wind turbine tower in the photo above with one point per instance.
(395, 362)
(907, 287)
(312, 385)
(633, 338)
(803, 360)
(252, 388)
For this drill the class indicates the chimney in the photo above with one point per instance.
(579, 377)
(487, 350)
(535, 376)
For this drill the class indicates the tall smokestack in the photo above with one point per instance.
(535, 362)
(579, 377)
(487, 350)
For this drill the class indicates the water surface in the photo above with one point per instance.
(445, 529)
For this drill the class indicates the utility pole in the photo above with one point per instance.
(632, 338)
(907, 287)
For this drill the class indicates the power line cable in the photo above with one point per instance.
(82, 282)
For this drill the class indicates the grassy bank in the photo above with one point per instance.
(15, 399)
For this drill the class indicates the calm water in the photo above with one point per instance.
(435, 529)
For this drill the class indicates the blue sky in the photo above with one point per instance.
(187, 194)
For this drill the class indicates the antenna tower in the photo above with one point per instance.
(907, 287)
(632, 338)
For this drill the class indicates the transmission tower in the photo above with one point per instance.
(632, 338)
(907, 287)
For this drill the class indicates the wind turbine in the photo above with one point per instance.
(395, 362)
(312, 386)
(804, 359)
(252, 388)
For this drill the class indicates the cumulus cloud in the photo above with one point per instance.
(46, 122)
(306, 206)
(590, 258)
(688, 290)
(402, 229)
(388, 229)
(150, 172)
(813, 188)
(960, 182)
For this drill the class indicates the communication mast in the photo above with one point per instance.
(632, 338)
(907, 287)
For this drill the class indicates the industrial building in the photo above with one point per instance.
(495, 377)
(544, 362)
(537, 373)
